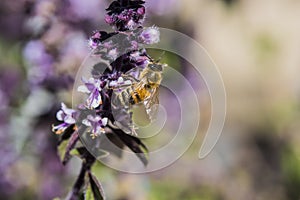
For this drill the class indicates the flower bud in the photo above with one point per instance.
(150, 35)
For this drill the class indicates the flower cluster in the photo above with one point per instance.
(125, 15)
(123, 49)
(121, 58)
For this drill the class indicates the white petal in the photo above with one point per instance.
(59, 115)
(96, 102)
(104, 121)
(83, 89)
(69, 120)
(92, 80)
(97, 118)
(69, 111)
(86, 122)
(63, 106)
(83, 79)
(99, 131)
(97, 85)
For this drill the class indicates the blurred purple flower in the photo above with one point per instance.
(75, 46)
(93, 88)
(9, 89)
(10, 80)
(36, 25)
(67, 116)
(8, 157)
(3, 102)
(6, 148)
(88, 9)
(39, 62)
(159, 7)
(4, 117)
(96, 123)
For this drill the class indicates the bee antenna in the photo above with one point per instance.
(160, 57)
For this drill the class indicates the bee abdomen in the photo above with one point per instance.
(135, 98)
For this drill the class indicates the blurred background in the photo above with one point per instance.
(254, 43)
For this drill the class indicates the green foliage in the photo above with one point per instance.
(265, 46)
(291, 173)
(163, 190)
(61, 149)
(88, 193)
(10, 54)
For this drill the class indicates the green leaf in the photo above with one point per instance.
(74, 152)
(62, 150)
(66, 146)
(96, 187)
(134, 144)
(88, 193)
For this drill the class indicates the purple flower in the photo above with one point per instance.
(96, 124)
(131, 24)
(108, 19)
(98, 37)
(139, 58)
(141, 11)
(113, 54)
(93, 88)
(150, 35)
(134, 45)
(67, 116)
(94, 40)
(125, 14)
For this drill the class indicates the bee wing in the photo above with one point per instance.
(152, 104)
(130, 78)
(120, 108)
(134, 73)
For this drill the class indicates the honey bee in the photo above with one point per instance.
(143, 90)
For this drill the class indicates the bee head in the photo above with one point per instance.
(156, 67)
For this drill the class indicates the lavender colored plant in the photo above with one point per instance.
(123, 50)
